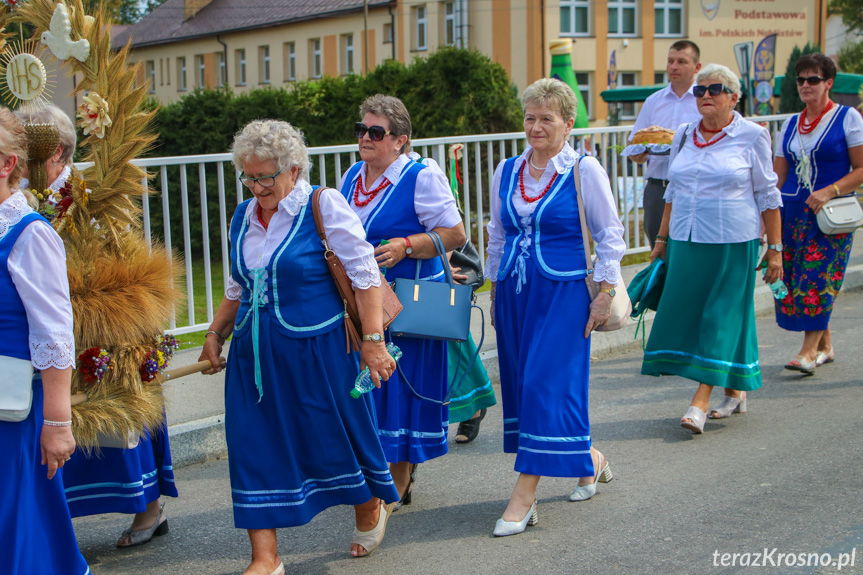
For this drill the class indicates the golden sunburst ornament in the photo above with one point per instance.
(24, 81)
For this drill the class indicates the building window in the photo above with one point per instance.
(347, 54)
(669, 18)
(583, 79)
(289, 54)
(449, 23)
(421, 28)
(240, 66)
(388, 33)
(199, 71)
(151, 75)
(181, 74)
(168, 71)
(264, 64)
(161, 72)
(622, 17)
(574, 17)
(628, 110)
(315, 63)
(660, 78)
(223, 69)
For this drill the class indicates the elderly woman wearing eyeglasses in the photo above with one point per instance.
(398, 200)
(819, 156)
(721, 185)
(298, 443)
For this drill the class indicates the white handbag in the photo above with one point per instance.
(621, 306)
(840, 216)
(16, 388)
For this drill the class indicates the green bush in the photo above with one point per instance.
(452, 92)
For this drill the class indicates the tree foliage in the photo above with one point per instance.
(851, 12)
(789, 100)
(851, 58)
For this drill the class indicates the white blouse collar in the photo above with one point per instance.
(12, 210)
(733, 128)
(564, 160)
(292, 203)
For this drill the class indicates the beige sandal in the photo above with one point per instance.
(369, 540)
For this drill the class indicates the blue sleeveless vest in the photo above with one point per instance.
(828, 158)
(554, 230)
(395, 217)
(13, 317)
(295, 286)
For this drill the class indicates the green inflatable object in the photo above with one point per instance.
(561, 69)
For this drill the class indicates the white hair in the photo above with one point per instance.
(271, 140)
(722, 73)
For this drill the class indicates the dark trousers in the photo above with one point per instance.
(654, 207)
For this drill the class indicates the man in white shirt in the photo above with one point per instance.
(673, 105)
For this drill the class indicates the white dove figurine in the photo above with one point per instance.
(59, 37)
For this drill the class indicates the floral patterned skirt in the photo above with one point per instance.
(814, 265)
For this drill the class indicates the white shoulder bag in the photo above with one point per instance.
(621, 307)
(16, 388)
(840, 216)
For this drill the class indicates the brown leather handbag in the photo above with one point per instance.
(353, 326)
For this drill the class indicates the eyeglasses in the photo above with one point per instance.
(376, 133)
(811, 80)
(712, 89)
(265, 181)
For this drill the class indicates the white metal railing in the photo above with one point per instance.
(479, 160)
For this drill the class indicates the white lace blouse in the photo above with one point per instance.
(345, 236)
(37, 264)
(600, 212)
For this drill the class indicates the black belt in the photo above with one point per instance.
(657, 181)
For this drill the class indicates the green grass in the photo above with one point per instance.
(196, 339)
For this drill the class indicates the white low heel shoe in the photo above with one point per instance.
(585, 492)
(504, 528)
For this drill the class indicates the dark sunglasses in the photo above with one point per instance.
(811, 80)
(376, 133)
(712, 89)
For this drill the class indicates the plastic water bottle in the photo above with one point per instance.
(363, 383)
(778, 287)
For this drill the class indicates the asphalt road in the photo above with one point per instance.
(786, 476)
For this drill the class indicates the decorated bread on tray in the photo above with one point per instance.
(653, 135)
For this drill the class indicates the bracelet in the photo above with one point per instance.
(50, 423)
(838, 191)
(216, 333)
(661, 241)
(659, 237)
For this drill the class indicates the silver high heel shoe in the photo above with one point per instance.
(280, 570)
(696, 419)
(585, 492)
(504, 528)
(728, 406)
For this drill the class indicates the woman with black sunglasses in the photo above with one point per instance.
(398, 200)
(721, 185)
(819, 156)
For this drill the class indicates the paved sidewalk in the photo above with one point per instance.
(196, 403)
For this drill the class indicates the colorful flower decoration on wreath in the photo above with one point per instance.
(11, 4)
(94, 363)
(93, 113)
(157, 359)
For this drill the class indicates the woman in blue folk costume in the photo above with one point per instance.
(540, 303)
(36, 533)
(111, 480)
(298, 443)
(819, 156)
(398, 200)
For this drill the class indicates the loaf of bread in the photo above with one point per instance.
(653, 135)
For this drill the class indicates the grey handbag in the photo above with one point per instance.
(467, 258)
(840, 216)
(16, 388)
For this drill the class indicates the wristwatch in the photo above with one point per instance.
(776, 247)
(375, 337)
(610, 291)
(408, 250)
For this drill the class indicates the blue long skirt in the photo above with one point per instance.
(306, 445)
(413, 429)
(120, 480)
(36, 533)
(544, 370)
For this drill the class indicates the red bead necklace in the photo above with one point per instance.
(711, 142)
(524, 195)
(261, 218)
(369, 195)
(805, 127)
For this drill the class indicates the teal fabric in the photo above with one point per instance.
(475, 391)
(645, 288)
(704, 328)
